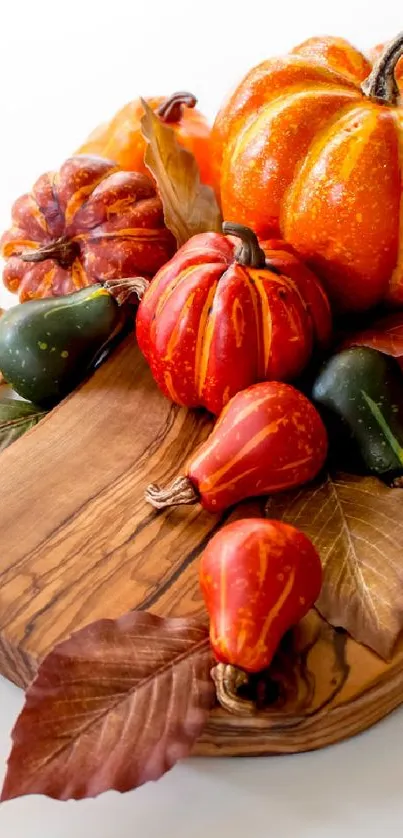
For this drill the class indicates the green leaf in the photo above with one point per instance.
(190, 207)
(16, 417)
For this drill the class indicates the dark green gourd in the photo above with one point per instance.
(48, 346)
(365, 389)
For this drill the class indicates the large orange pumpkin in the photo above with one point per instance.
(310, 148)
(121, 138)
(87, 223)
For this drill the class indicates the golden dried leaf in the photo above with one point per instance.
(189, 206)
(356, 524)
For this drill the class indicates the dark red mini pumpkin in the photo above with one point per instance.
(220, 317)
(87, 223)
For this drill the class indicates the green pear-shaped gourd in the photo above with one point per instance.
(48, 346)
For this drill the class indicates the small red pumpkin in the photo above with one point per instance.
(87, 223)
(218, 318)
(269, 438)
(258, 579)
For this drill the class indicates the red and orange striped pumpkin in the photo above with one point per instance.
(218, 318)
(309, 147)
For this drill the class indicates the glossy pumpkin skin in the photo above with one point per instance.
(121, 139)
(305, 155)
(209, 326)
(91, 222)
(269, 438)
(258, 578)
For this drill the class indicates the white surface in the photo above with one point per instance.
(63, 68)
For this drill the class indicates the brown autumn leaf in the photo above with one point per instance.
(112, 707)
(356, 524)
(189, 206)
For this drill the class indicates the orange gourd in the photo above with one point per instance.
(121, 138)
(310, 147)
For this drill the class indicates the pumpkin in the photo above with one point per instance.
(87, 223)
(121, 138)
(309, 148)
(218, 318)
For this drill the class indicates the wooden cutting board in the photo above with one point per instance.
(78, 542)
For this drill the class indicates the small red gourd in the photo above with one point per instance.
(258, 578)
(268, 438)
(220, 317)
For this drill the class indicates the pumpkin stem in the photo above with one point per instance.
(381, 85)
(249, 253)
(228, 679)
(180, 491)
(64, 251)
(126, 287)
(171, 109)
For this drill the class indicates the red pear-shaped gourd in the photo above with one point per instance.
(268, 438)
(258, 579)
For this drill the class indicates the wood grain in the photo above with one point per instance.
(78, 542)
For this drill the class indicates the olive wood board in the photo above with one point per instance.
(78, 542)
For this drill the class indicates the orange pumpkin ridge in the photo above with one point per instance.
(309, 148)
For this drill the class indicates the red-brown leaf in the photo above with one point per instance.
(386, 335)
(113, 707)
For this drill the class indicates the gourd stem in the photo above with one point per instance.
(228, 679)
(249, 253)
(397, 483)
(122, 289)
(381, 85)
(171, 109)
(64, 251)
(180, 491)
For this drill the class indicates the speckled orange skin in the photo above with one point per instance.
(121, 139)
(269, 438)
(305, 155)
(209, 327)
(114, 219)
(258, 578)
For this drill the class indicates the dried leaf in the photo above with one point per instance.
(189, 206)
(356, 524)
(114, 706)
(16, 417)
(386, 335)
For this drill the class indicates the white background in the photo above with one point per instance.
(64, 67)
